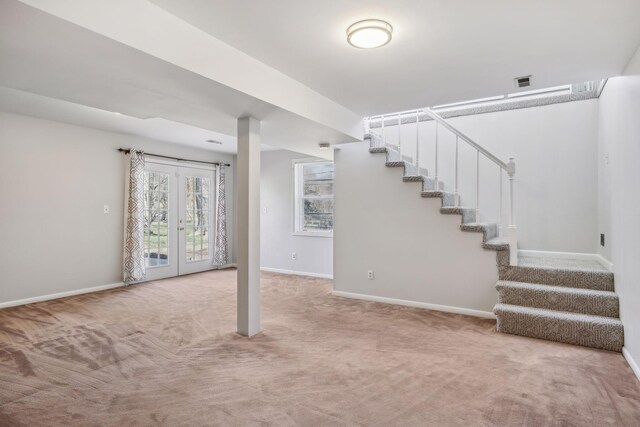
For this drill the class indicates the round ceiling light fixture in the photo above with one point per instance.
(369, 33)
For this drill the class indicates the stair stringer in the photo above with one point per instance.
(419, 248)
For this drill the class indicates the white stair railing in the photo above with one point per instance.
(509, 167)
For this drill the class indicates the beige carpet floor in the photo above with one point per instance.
(165, 353)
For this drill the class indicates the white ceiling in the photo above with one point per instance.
(30, 104)
(442, 51)
(184, 70)
(59, 61)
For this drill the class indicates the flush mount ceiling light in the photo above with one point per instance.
(369, 33)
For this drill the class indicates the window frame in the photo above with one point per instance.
(298, 199)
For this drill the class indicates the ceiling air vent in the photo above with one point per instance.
(213, 141)
(522, 81)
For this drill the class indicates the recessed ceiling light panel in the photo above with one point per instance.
(369, 33)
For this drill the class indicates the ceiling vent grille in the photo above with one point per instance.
(521, 82)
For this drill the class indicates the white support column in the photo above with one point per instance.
(248, 226)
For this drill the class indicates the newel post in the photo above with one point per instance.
(513, 230)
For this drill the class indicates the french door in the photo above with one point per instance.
(195, 223)
(179, 206)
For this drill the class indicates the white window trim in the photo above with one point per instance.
(294, 194)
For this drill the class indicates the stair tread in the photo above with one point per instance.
(497, 241)
(555, 314)
(455, 209)
(496, 244)
(562, 264)
(552, 288)
(437, 193)
(378, 150)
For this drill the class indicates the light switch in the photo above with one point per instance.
(264, 210)
(106, 209)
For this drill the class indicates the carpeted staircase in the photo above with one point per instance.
(564, 300)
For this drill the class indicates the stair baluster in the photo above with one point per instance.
(418, 142)
(456, 192)
(399, 138)
(500, 225)
(435, 182)
(477, 185)
(513, 231)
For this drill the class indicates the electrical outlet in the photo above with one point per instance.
(370, 274)
(264, 210)
(294, 256)
(602, 239)
(106, 209)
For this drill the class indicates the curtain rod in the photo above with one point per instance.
(127, 151)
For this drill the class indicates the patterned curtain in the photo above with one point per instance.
(220, 254)
(134, 262)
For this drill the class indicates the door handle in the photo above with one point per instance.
(180, 228)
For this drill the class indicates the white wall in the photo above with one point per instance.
(417, 254)
(555, 147)
(277, 242)
(54, 180)
(619, 181)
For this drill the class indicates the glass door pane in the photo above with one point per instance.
(156, 219)
(198, 218)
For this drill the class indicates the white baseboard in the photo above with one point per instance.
(297, 273)
(608, 264)
(437, 307)
(567, 255)
(59, 295)
(634, 366)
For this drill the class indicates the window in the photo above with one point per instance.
(313, 198)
